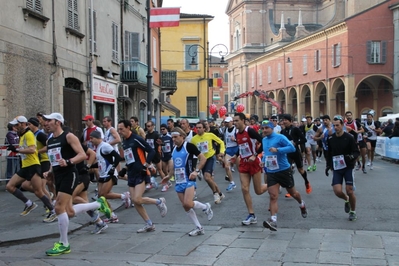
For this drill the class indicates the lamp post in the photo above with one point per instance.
(208, 63)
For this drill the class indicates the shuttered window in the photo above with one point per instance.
(376, 52)
(260, 77)
(132, 48)
(269, 74)
(94, 33)
(35, 5)
(192, 106)
(317, 60)
(115, 34)
(73, 21)
(336, 55)
(305, 64)
(279, 72)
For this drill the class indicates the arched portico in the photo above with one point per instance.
(320, 102)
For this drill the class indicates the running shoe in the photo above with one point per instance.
(314, 167)
(347, 206)
(147, 228)
(127, 199)
(310, 168)
(95, 216)
(112, 220)
(162, 207)
(251, 219)
(232, 169)
(222, 197)
(154, 183)
(28, 209)
(51, 217)
(304, 211)
(197, 231)
(172, 179)
(208, 211)
(216, 198)
(231, 187)
(226, 177)
(104, 208)
(99, 228)
(165, 188)
(368, 163)
(308, 188)
(371, 166)
(358, 166)
(270, 225)
(58, 249)
(288, 195)
(352, 216)
(364, 170)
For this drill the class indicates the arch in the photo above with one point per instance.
(292, 106)
(269, 107)
(338, 104)
(320, 99)
(282, 100)
(385, 110)
(305, 101)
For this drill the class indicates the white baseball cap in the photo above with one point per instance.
(19, 119)
(56, 116)
(228, 119)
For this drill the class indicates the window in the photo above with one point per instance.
(279, 72)
(226, 97)
(115, 34)
(226, 77)
(336, 55)
(154, 52)
(73, 21)
(215, 75)
(132, 48)
(305, 64)
(94, 33)
(216, 97)
(269, 74)
(191, 56)
(260, 77)
(192, 106)
(376, 52)
(290, 70)
(317, 60)
(253, 80)
(35, 5)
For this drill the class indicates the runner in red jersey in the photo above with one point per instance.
(249, 163)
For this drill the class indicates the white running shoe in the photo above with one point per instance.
(127, 199)
(216, 198)
(162, 207)
(208, 211)
(368, 163)
(197, 231)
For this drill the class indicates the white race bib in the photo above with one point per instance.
(54, 156)
(203, 146)
(339, 162)
(245, 151)
(166, 147)
(129, 157)
(151, 143)
(180, 176)
(271, 162)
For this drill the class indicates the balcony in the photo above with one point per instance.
(168, 79)
(134, 73)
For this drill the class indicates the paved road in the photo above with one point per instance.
(326, 237)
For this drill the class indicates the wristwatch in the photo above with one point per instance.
(197, 170)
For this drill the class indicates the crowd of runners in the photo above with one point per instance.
(58, 166)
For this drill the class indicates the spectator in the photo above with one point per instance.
(388, 129)
(13, 160)
(395, 130)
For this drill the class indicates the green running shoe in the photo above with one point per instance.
(104, 208)
(314, 167)
(58, 249)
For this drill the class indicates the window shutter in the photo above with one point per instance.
(29, 4)
(305, 64)
(319, 59)
(70, 14)
(127, 46)
(338, 54)
(253, 79)
(154, 52)
(368, 52)
(134, 46)
(75, 15)
(260, 77)
(95, 30)
(333, 56)
(38, 6)
(384, 52)
(315, 60)
(269, 74)
(290, 70)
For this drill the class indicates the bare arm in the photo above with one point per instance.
(141, 133)
(77, 147)
(117, 138)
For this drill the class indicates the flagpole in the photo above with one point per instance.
(149, 71)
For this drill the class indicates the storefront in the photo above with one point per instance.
(104, 98)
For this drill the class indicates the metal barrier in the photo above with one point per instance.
(9, 165)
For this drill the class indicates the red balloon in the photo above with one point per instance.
(212, 109)
(222, 111)
(240, 108)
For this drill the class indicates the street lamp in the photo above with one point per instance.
(222, 53)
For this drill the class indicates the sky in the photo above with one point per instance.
(218, 27)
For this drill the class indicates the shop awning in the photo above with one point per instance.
(171, 108)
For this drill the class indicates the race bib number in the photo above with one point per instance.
(166, 147)
(54, 156)
(203, 146)
(180, 176)
(151, 143)
(271, 162)
(339, 162)
(245, 151)
(129, 157)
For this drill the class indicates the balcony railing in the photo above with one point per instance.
(133, 71)
(169, 79)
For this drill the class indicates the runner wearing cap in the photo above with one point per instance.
(65, 151)
(30, 170)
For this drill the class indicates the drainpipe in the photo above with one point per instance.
(91, 57)
(54, 63)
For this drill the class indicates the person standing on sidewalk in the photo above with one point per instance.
(13, 159)
(249, 164)
(138, 175)
(65, 151)
(185, 177)
(341, 158)
(203, 141)
(30, 170)
(279, 173)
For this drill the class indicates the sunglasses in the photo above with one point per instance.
(265, 128)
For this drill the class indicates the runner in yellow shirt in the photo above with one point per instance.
(203, 141)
